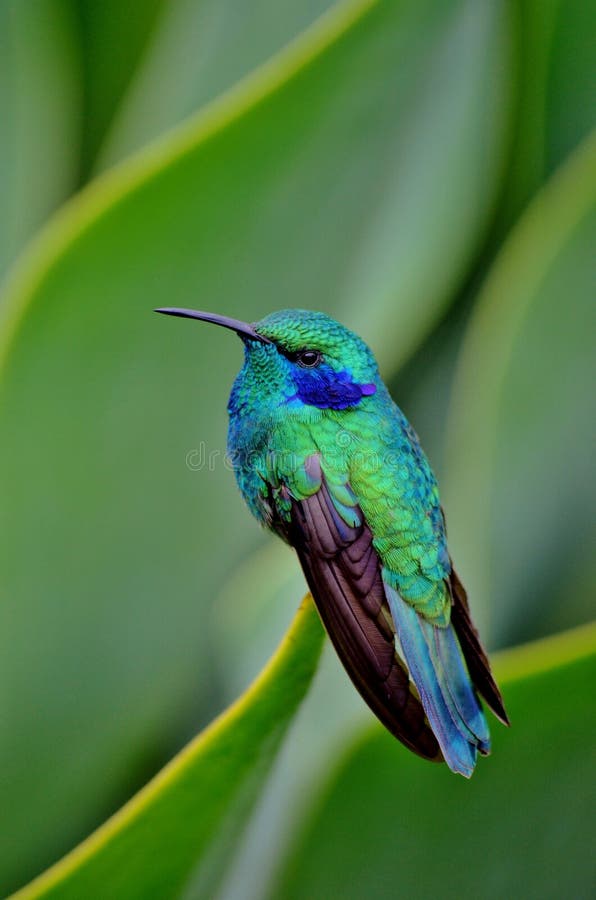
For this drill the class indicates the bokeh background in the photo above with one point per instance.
(423, 170)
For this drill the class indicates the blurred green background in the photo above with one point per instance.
(423, 170)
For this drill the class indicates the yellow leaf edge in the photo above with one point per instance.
(304, 632)
(100, 195)
(555, 212)
(560, 206)
(544, 654)
(525, 661)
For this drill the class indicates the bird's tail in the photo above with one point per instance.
(438, 670)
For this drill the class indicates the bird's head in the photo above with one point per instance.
(298, 357)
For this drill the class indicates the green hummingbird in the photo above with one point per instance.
(326, 459)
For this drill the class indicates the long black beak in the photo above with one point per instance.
(243, 329)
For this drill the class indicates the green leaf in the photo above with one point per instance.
(520, 494)
(556, 79)
(318, 182)
(186, 821)
(572, 80)
(199, 49)
(114, 37)
(390, 825)
(40, 115)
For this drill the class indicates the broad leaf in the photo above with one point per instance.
(572, 80)
(39, 115)
(185, 823)
(199, 49)
(389, 825)
(114, 37)
(320, 182)
(520, 495)
(556, 79)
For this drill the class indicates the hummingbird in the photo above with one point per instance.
(325, 459)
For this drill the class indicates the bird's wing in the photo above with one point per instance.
(438, 669)
(431, 702)
(474, 653)
(450, 669)
(434, 633)
(334, 545)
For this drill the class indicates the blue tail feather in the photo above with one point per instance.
(438, 670)
(452, 674)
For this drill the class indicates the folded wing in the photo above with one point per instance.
(430, 703)
(342, 569)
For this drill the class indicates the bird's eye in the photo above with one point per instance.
(308, 359)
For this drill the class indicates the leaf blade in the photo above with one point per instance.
(387, 826)
(119, 480)
(126, 856)
(40, 114)
(508, 449)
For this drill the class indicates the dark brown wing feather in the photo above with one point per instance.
(343, 573)
(474, 653)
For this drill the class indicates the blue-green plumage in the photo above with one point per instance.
(325, 458)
